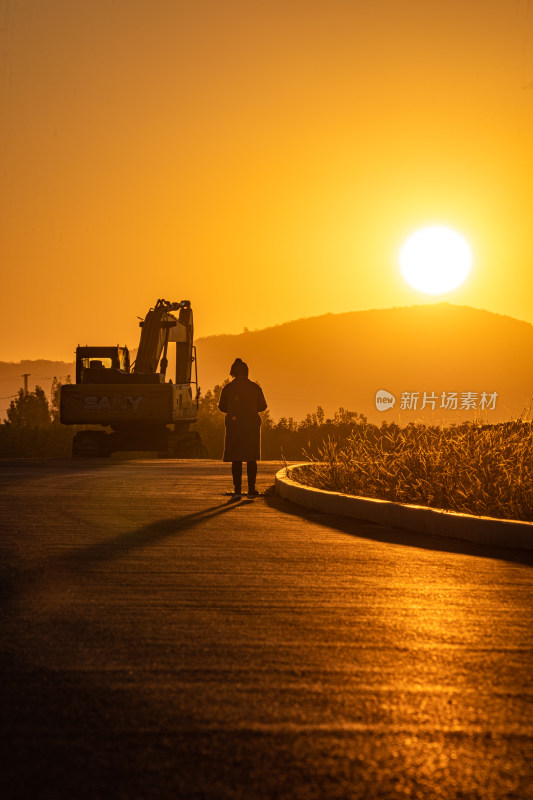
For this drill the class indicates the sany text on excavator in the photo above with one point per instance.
(141, 409)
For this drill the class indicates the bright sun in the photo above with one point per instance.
(435, 260)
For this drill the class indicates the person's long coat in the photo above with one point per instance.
(241, 401)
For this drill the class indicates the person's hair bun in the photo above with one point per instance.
(239, 367)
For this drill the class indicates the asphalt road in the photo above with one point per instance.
(158, 642)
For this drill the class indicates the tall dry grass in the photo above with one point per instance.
(482, 470)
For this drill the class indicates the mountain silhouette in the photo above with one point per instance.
(338, 360)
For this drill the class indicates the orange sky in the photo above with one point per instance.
(264, 159)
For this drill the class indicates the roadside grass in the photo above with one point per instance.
(486, 470)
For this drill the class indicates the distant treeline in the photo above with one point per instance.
(33, 430)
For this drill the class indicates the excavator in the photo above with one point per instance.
(141, 410)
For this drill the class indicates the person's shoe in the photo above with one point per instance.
(236, 496)
(252, 493)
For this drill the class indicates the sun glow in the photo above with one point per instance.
(435, 260)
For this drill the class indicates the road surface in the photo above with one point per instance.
(158, 642)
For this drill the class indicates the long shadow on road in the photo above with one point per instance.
(383, 533)
(148, 535)
(14, 579)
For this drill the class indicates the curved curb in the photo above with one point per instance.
(421, 519)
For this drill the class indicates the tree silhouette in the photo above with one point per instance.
(55, 394)
(30, 410)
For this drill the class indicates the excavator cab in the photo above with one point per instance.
(101, 364)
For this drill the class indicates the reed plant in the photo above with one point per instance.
(485, 470)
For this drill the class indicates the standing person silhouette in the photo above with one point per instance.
(241, 401)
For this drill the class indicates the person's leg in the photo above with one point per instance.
(236, 471)
(251, 471)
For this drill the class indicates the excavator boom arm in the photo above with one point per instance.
(155, 330)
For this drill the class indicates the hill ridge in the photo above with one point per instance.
(329, 314)
(343, 359)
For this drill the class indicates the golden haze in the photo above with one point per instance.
(265, 160)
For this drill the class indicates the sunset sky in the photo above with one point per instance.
(265, 159)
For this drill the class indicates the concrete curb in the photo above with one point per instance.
(421, 519)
